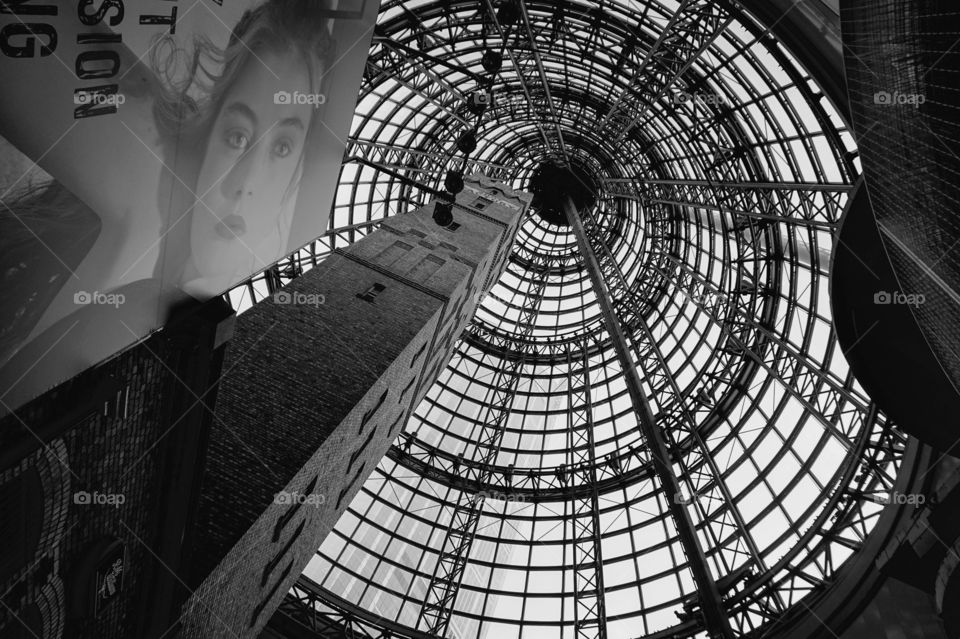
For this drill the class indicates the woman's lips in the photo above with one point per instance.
(231, 227)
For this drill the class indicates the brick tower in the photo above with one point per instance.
(318, 381)
(182, 485)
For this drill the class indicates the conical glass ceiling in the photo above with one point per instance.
(520, 499)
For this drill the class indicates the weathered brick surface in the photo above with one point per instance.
(114, 451)
(299, 379)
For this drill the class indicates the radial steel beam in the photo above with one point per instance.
(543, 79)
(813, 205)
(590, 616)
(692, 28)
(699, 469)
(818, 393)
(715, 617)
(445, 583)
(513, 60)
(410, 52)
(423, 81)
(413, 160)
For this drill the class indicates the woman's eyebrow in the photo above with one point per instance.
(294, 122)
(239, 108)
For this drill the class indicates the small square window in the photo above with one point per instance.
(371, 293)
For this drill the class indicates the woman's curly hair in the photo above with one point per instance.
(194, 81)
(188, 90)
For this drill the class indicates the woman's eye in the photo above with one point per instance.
(237, 140)
(282, 149)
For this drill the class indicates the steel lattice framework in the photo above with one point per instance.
(445, 582)
(590, 617)
(523, 497)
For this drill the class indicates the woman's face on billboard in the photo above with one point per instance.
(251, 159)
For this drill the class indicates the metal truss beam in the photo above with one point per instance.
(311, 611)
(686, 36)
(394, 64)
(535, 102)
(448, 575)
(544, 484)
(752, 339)
(805, 204)
(818, 393)
(410, 52)
(544, 82)
(590, 618)
(850, 420)
(842, 520)
(715, 618)
(426, 162)
(708, 493)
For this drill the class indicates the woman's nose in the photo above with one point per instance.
(236, 183)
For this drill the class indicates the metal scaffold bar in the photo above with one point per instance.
(445, 584)
(589, 606)
(715, 618)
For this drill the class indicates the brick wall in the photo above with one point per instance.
(111, 452)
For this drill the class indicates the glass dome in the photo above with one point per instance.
(520, 499)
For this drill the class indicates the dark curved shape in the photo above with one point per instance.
(948, 591)
(901, 68)
(883, 342)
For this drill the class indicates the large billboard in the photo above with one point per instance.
(154, 152)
